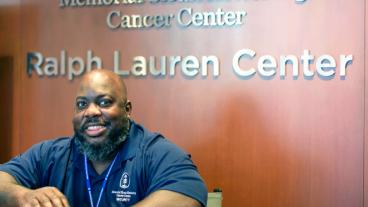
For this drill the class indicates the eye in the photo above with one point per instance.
(105, 103)
(81, 104)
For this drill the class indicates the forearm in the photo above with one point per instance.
(10, 191)
(13, 195)
(165, 198)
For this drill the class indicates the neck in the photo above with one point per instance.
(100, 166)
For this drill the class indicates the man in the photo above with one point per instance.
(110, 161)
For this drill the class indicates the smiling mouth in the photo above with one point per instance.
(95, 130)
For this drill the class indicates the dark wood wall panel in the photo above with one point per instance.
(6, 107)
(10, 72)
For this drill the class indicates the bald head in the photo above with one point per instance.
(104, 79)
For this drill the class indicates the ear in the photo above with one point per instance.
(128, 107)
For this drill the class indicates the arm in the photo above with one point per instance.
(172, 177)
(9, 190)
(165, 198)
(20, 180)
(12, 194)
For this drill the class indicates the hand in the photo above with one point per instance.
(42, 197)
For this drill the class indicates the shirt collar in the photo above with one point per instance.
(130, 147)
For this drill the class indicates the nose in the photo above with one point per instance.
(92, 110)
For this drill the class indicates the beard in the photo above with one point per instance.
(106, 149)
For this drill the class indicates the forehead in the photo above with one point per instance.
(99, 84)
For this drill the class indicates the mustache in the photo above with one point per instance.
(93, 121)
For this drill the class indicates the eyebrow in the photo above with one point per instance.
(97, 97)
(80, 97)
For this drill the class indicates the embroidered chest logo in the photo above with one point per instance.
(123, 195)
(125, 180)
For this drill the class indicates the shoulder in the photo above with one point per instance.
(151, 142)
(29, 167)
(54, 147)
(54, 144)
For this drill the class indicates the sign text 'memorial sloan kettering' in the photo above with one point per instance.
(185, 17)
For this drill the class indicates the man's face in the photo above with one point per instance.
(100, 114)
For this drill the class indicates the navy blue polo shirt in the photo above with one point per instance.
(147, 162)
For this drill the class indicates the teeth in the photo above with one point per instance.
(94, 127)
